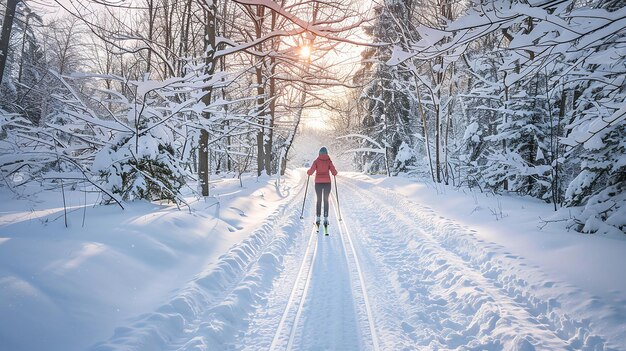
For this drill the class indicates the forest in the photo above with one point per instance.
(140, 99)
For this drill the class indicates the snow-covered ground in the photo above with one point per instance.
(65, 289)
(411, 266)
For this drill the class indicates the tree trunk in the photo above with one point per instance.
(272, 104)
(151, 16)
(229, 164)
(260, 138)
(505, 184)
(424, 128)
(5, 36)
(272, 111)
(555, 158)
(448, 126)
(261, 121)
(203, 150)
(21, 69)
(439, 82)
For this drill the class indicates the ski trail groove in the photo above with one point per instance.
(345, 233)
(317, 303)
(311, 263)
(292, 333)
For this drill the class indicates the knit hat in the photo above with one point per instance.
(323, 151)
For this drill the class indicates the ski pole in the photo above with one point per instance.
(303, 201)
(337, 195)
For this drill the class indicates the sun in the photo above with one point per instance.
(305, 52)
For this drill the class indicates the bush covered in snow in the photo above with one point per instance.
(123, 145)
(149, 171)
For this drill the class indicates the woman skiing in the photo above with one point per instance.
(323, 167)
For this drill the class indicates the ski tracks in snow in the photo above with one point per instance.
(300, 288)
(280, 289)
(392, 276)
(328, 306)
(439, 287)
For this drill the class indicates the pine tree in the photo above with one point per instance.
(386, 97)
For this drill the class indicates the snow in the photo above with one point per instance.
(398, 55)
(471, 132)
(411, 266)
(65, 289)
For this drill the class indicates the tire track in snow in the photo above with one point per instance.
(396, 303)
(273, 326)
(453, 270)
(292, 332)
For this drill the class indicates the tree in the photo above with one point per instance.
(548, 101)
(387, 103)
(5, 36)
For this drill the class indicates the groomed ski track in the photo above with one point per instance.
(393, 275)
(332, 287)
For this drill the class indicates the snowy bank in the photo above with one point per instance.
(68, 288)
(575, 281)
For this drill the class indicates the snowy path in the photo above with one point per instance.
(327, 298)
(320, 302)
(393, 275)
(432, 285)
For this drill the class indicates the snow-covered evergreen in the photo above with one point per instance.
(539, 92)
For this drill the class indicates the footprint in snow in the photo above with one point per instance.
(240, 212)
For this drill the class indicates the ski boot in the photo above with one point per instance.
(325, 225)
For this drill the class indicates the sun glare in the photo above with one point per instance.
(305, 52)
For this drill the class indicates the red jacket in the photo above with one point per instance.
(324, 166)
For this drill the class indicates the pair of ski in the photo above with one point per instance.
(325, 230)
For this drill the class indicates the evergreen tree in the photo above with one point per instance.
(386, 97)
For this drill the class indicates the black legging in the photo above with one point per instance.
(322, 190)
